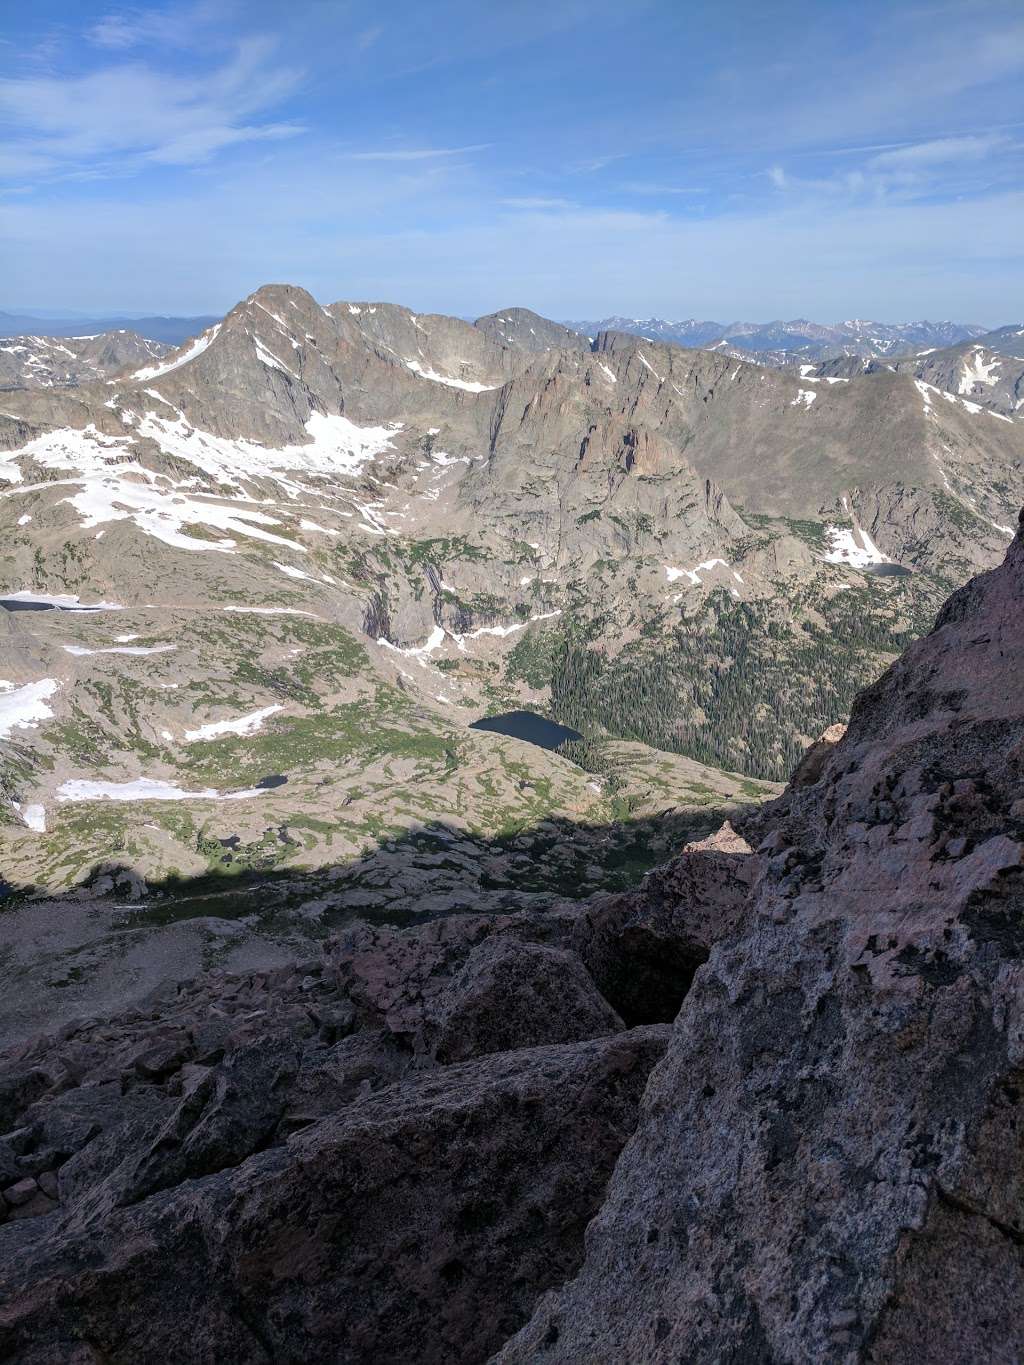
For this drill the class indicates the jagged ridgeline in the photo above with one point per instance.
(257, 588)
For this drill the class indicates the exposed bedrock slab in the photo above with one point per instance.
(418, 1224)
(828, 1163)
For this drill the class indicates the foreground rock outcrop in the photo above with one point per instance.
(392, 1152)
(828, 1162)
(418, 1224)
(384, 1153)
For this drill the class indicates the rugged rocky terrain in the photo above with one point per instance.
(253, 594)
(392, 1149)
(858, 1041)
(43, 362)
(987, 371)
(169, 331)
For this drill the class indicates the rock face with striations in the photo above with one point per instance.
(827, 1164)
(392, 1151)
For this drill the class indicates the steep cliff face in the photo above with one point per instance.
(391, 1151)
(827, 1164)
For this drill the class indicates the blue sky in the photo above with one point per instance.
(581, 157)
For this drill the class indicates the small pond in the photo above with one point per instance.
(529, 726)
(13, 604)
(888, 570)
(30, 604)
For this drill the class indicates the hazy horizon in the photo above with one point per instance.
(127, 314)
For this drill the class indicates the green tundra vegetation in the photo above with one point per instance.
(737, 685)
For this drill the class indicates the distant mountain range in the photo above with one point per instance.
(774, 343)
(171, 331)
(781, 342)
(40, 362)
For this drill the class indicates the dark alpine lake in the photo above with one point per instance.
(526, 725)
(19, 604)
(888, 570)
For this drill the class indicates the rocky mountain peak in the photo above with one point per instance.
(486, 527)
(47, 362)
(525, 330)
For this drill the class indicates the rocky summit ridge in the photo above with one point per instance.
(44, 362)
(765, 1107)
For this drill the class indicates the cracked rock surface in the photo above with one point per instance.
(827, 1164)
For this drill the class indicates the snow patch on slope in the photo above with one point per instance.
(196, 348)
(242, 725)
(116, 488)
(24, 707)
(421, 652)
(978, 371)
(470, 386)
(145, 789)
(118, 649)
(267, 357)
(33, 815)
(853, 547)
(66, 601)
(693, 575)
(292, 572)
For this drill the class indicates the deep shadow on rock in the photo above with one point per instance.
(417, 1224)
(644, 948)
(106, 944)
(382, 1153)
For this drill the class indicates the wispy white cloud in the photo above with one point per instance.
(415, 153)
(180, 26)
(343, 231)
(120, 117)
(116, 31)
(800, 182)
(368, 37)
(537, 203)
(591, 164)
(656, 188)
(940, 152)
(907, 68)
(202, 143)
(910, 170)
